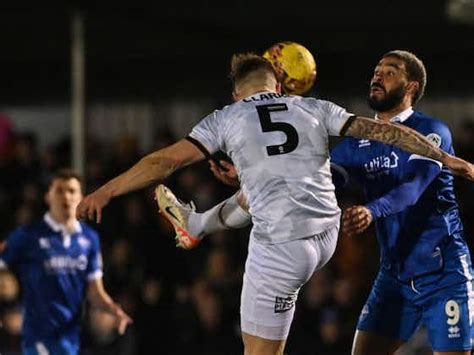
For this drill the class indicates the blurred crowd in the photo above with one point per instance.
(183, 301)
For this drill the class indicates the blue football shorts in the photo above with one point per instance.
(396, 308)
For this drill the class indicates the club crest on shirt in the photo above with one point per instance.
(83, 242)
(44, 243)
(435, 139)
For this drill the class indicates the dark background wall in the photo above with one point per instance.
(178, 48)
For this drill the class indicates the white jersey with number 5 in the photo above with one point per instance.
(279, 145)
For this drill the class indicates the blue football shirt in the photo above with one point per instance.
(54, 269)
(413, 241)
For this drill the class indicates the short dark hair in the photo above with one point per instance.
(64, 174)
(416, 70)
(243, 64)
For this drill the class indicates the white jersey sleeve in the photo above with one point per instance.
(334, 117)
(207, 132)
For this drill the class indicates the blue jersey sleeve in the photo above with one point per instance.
(14, 248)
(94, 264)
(421, 173)
(340, 166)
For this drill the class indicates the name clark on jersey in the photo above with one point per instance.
(262, 97)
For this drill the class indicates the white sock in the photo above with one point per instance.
(226, 215)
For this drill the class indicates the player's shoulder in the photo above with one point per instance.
(319, 104)
(311, 100)
(424, 121)
(434, 128)
(89, 232)
(29, 231)
(350, 144)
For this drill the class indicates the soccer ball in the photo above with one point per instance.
(295, 66)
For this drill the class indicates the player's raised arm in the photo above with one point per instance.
(407, 139)
(150, 169)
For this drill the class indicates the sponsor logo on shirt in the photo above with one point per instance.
(283, 304)
(382, 163)
(364, 143)
(61, 264)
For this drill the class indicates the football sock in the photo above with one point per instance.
(226, 215)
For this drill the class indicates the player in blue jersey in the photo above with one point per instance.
(58, 263)
(425, 275)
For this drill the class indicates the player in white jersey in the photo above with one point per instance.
(279, 144)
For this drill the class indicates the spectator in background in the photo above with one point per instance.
(153, 310)
(58, 261)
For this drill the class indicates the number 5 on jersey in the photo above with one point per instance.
(268, 125)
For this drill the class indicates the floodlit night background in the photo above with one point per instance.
(151, 71)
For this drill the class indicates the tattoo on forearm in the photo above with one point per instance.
(399, 135)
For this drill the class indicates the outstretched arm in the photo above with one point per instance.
(407, 139)
(98, 297)
(358, 218)
(150, 169)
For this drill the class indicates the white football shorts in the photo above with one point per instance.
(274, 274)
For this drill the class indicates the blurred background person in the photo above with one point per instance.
(58, 262)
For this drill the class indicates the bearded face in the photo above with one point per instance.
(381, 99)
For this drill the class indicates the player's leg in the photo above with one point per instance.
(368, 343)
(274, 274)
(191, 226)
(259, 346)
(387, 320)
(231, 213)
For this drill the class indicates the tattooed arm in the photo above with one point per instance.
(406, 139)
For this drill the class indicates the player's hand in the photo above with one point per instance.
(459, 167)
(229, 176)
(91, 206)
(122, 319)
(355, 220)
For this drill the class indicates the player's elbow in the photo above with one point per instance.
(412, 200)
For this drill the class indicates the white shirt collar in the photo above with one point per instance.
(58, 227)
(402, 116)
